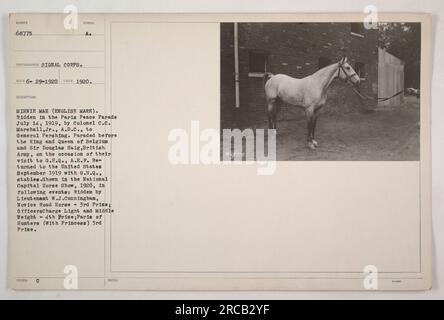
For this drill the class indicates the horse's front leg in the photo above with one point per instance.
(313, 128)
(309, 112)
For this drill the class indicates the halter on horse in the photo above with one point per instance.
(309, 93)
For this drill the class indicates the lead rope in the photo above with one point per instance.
(377, 99)
(362, 96)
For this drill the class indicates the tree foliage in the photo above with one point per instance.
(403, 40)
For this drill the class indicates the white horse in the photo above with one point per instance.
(309, 93)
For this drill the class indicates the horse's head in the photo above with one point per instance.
(346, 72)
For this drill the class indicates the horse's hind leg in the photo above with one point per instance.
(272, 109)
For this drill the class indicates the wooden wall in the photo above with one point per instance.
(390, 78)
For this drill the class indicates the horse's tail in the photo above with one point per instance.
(267, 76)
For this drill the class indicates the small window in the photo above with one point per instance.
(323, 62)
(360, 70)
(258, 62)
(357, 29)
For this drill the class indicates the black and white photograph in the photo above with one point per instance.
(211, 152)
(332, 91)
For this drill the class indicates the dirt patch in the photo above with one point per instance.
(383, 135)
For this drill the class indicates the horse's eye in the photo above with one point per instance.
(348, 68)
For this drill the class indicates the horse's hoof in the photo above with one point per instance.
(315, 143)
(311, 146)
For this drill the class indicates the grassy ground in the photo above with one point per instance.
(387, 134)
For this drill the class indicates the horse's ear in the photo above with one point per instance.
(344, 60)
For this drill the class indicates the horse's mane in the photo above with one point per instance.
(324, 69)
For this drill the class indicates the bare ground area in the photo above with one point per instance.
(385, 134)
